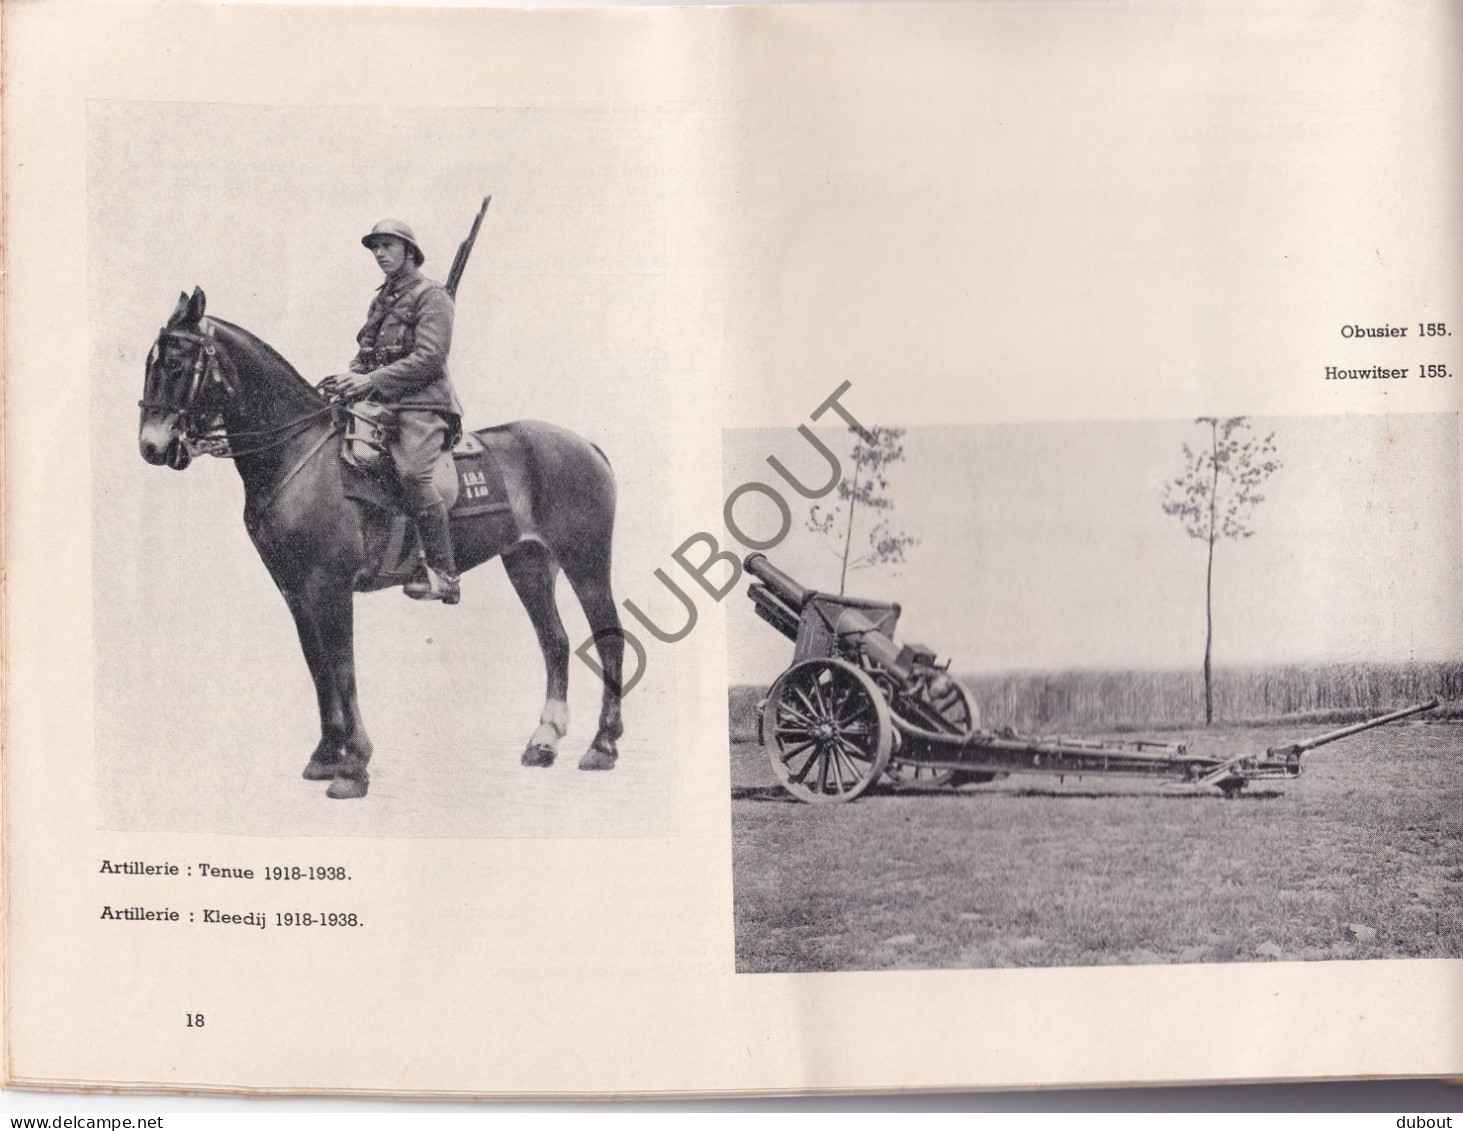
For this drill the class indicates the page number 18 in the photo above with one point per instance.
(195, 1020)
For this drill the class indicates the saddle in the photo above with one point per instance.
(480, 491)
(371, 478)
(369, 426)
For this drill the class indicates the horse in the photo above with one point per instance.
(212, 387)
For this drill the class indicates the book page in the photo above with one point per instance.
(1098, 361)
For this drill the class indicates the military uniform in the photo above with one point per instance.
(403, 347)
(405, 341)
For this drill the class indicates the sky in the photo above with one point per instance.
(1045, 546)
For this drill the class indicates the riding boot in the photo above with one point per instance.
(438, 580)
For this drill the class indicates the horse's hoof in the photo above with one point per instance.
(318, 769)
(542, 756)
(597, 759)
(346, 789)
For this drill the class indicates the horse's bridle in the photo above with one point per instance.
(200, 417)
(200, 408)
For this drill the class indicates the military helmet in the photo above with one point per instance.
(401, 231)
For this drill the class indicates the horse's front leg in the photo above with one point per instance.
(325, 758)
(332, 612)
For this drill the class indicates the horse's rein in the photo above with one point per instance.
(209, 373)
(222, 446)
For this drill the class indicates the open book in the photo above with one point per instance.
(990, 460)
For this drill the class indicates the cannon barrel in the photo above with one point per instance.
(877, 645)
(1356, 728)
(825, 624)
(785, 587)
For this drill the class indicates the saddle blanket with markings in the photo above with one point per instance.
(480, 487)
(480, 491)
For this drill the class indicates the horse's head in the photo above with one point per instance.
(189, 380)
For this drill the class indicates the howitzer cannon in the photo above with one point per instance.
(856, 705)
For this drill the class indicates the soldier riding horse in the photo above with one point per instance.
(401, 366)
(215, 388)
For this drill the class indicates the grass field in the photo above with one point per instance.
(1360, 858)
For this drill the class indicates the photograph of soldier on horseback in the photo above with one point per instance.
(331, 519)
(387, 406)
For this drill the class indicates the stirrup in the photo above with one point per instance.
(429, 585)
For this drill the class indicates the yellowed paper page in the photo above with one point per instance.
(1045, 255)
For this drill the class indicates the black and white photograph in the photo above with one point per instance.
(1100, 694)
(322, 322)
(566, 553)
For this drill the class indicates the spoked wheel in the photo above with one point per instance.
(827, 731)
(937, 707)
